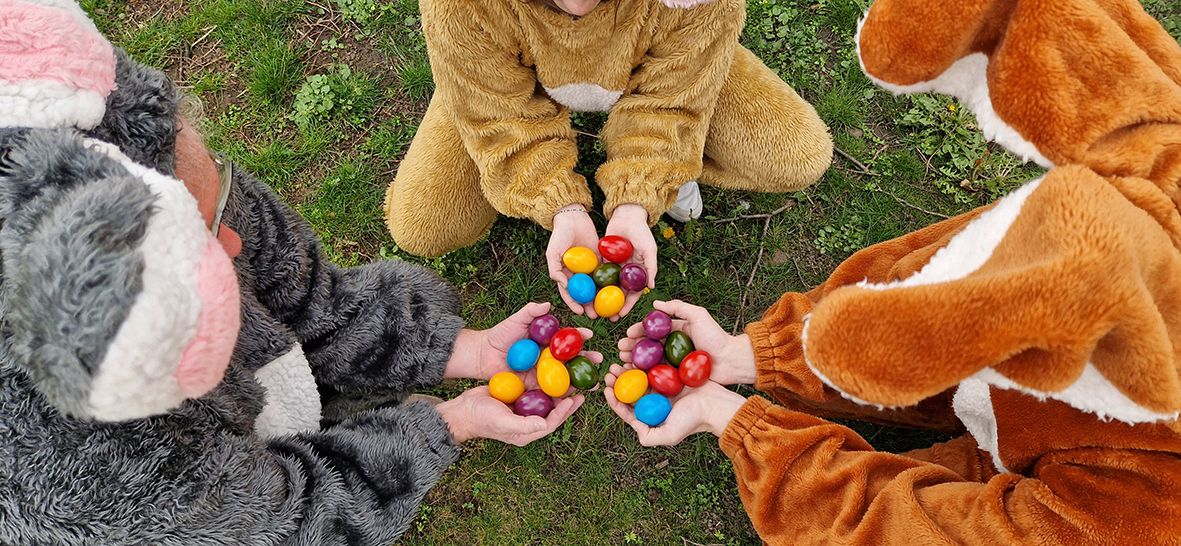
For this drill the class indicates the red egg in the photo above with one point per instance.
(665, 380)
(565, 344)
(614, 248)
(695, 369)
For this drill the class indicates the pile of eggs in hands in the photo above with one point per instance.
(555, 352)
(666, 361)
(604, 283)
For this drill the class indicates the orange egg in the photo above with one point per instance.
(553, 378)
(506, 387)
(609, 301)
(630, 386)
(580, 259)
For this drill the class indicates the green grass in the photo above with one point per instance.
(321, 100)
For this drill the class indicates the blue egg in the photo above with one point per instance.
(523, 355)
(582, 288)
(653, 409)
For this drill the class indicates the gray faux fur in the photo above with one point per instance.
(62, 237)
(199, 474)
(141, 115)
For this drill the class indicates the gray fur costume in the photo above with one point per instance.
(208, 471)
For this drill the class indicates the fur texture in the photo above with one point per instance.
(140, 116)
(1049, 320)
(497, 135)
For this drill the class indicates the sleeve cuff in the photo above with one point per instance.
(625, 182)
(733, 438)
(573, 191)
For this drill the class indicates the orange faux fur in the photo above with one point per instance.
(1052, 317)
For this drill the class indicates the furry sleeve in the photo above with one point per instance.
(804, 480)
(521, 140)
(779, 357)
(387, 324)
(655, 134)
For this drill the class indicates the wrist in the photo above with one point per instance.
(630, 212)
(453, 414)
(465, 356)
(739, 357)
(724, 405)
(573, 209)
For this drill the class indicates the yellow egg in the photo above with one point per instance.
(506, 387)
(609, 301)
(631, 386)
(553, 378)
(580, 259)
(546, 355)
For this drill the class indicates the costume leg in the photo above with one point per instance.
(435, 204)
(763, 136)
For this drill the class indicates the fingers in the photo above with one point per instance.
(593, 356)
(636, 331)
(587, 333)
(533, 310)
(628, 303)
(680, 309)
(544, 427)
(573, 305)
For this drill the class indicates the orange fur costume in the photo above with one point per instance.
(1047, 324)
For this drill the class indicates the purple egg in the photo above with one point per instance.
(647, 354)
(633, 277)
(543, 328)
(657, 325)
(534, 402)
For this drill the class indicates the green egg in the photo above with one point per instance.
(583, 373)
(606, 274)
(676, 346)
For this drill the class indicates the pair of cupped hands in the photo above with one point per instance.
(709, 408)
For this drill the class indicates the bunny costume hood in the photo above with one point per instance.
(1047, 324)
(152, 391)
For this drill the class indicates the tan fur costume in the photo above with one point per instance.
(1050, 319)
(685, 102)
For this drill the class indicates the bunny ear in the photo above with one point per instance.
(56, 70)
(904, 43)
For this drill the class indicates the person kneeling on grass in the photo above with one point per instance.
(686, 102)
(168, 327)
(1046, 324)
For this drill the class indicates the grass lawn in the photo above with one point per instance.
(321, 98)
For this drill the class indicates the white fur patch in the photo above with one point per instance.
(43, 104)
(967, 80)
(292, 400)
(969, 249)
(972, 404)
(584, 97)
(1090, 393)
(137, 377)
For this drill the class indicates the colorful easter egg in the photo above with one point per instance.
(542, 328)
(580, 259)
(676, 346)
(584, 375)
(566, 344)
(630, 386)
(506, 387)
(609, 301)
(523, 355)
(615, 248)
(606, 275)
(553, 378)
(657, 324)
(695, 368)
(665, 380)
(534, 402)
(633, 277)
(653, 409)
(647, 353)
(582, 288)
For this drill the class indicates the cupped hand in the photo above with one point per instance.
(708, 408)
(475, 414)
(571, 229)
(732, 356)
(631, 222)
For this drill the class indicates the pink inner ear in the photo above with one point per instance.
(205, 359)
(47, 43)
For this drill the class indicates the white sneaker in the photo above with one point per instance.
(688, 204)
